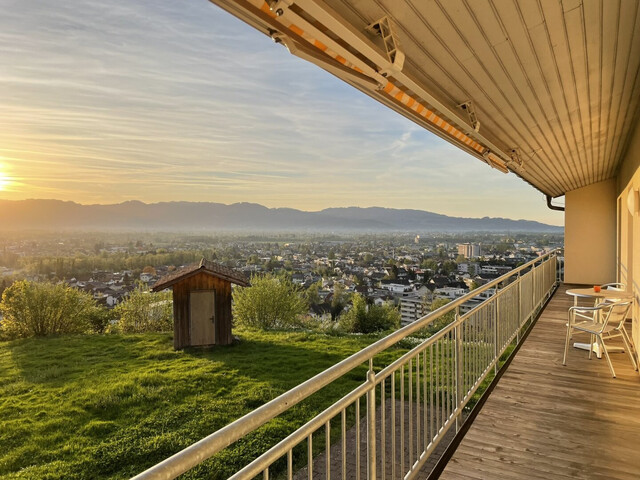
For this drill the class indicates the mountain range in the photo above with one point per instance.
(206, 216)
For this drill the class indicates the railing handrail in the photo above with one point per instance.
(198, 452)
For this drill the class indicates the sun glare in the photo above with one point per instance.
(5, 181)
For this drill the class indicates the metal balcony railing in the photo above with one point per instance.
(411, 404)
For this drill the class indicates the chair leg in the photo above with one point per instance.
(591, 340)
(627, 346)
(566, 343)
(606, 354)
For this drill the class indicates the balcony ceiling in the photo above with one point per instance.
(554, 84)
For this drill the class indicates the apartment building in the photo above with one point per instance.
(469, 250)
(412, 308)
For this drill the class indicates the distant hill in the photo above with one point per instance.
(201, 216)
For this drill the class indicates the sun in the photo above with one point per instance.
(5, 180)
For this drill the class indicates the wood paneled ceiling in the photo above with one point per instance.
(554, 83)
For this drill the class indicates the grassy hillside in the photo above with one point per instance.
(89, 407)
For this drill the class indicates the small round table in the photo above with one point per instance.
(591, 293)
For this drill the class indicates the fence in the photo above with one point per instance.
(409, 406)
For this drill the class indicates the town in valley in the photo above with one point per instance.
(408, 271)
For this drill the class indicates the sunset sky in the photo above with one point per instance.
(102, 102)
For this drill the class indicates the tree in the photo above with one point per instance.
(363, 318)
(270, 264)
(312, 293)
(100, 319)
(270, 302)
(449, 267)
(443, 320)
(149, 269)
(430, 264)
(145, 311)
(393, 273)
(427, 299)
(39, 309)
(98, 247)
(339, 300)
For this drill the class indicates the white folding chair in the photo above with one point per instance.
(595, 321)
(617, 328)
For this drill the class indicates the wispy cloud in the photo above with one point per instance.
(164, 100)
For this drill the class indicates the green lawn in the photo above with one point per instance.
(109, 406)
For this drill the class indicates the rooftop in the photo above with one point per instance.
(203, 266)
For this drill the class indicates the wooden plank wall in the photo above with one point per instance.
(201, 281)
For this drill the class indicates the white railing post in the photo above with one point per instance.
(371, 423)
(495, 330)
(519, 280)
(533, 290)
(458, 362)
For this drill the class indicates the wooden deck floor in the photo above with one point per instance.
(545, 420)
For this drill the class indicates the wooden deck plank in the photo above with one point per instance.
(546, 420)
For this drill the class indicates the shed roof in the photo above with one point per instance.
(204, 266)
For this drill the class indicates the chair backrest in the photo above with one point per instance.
(616, 287)
(615, 313)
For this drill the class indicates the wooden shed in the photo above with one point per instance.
(201, 303)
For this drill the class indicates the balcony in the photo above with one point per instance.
(546, 420)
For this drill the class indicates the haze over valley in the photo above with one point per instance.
(247, 217)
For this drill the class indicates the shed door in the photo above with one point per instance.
(202, 317)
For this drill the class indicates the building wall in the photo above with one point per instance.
(411, 309)
(469, 250)
(590, 234)
(628, 228)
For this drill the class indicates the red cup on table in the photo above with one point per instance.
(596, 288)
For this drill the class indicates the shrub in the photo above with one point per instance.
(444, 320)
(363, 318)
(39, 309)
(270, 302)
(101, 319)
(145, 311)
(439, 323)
